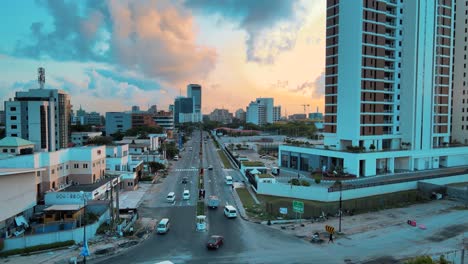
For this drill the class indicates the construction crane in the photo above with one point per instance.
(305, 105)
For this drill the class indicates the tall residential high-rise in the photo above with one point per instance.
(460, 79)
(221, 115)
(42, 116)
(388, 89)
(401, 64)
(194, 91)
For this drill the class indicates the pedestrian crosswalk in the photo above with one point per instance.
(186, 170)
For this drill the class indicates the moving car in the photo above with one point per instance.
(170, 197)
(230, 211)
(215, 242)
(176, 157)
(184, 180)
(213, 201)
(163, 226)
(228, 180)
(186, 195)
(210, 167)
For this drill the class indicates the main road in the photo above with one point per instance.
(245, 242)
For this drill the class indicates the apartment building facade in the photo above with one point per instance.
(387, 89)
(42, 116)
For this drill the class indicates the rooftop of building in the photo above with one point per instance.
(88, 187)
(11, 171)
(14, 142)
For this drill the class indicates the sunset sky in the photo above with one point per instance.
(110, 55)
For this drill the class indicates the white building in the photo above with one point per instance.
(240, 114)
(62, 168)
(261, 111)
(387, 94)
(80, 138)
(41, 116)
(18, 195)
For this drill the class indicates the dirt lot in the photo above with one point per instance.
(375, 220)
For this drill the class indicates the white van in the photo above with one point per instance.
(186, 195)
(163, 226)
(170, 197)
(176, 157)
(230, 211)
(228, 180)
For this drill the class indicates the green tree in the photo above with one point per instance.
(171, 149)
(2, 133)
(155, 166)
(117, 136)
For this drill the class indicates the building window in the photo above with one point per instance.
(38, 173)
(53, 171)
(5, 150)
(12, 108)
(14, 135)
(66, 167)
(85, 166)
(14, 126)
(75, 165)
(12, 150)
(13, 118)
(94, 164)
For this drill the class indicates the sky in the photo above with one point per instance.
(111, 55)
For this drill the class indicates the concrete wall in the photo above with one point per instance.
(427, 188)
(17, 193)
(320, 192)
(458, 193)
(75, 234)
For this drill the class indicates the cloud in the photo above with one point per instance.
(314, 88)
(153, 37)
(271, 25)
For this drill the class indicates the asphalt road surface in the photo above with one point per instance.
(245, 242)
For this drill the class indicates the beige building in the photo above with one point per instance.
(18, 194)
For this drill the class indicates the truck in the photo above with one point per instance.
(213, 201)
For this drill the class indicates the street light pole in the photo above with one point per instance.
(341, 202)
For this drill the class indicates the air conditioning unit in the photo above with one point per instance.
(62, 186)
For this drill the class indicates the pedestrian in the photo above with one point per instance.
(331, 238)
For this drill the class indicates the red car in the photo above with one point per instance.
(215, 242)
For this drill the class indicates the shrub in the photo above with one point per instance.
(295, 182)
(305, 183)
(317, 178)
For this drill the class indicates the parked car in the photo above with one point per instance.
(215, 242)
(210, 167)
(184, 180)
(186, 195)
(170, 197)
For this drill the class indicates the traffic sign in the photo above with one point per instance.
(283, 210)
(298, 206)
(330, 229)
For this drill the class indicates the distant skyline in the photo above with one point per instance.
(111, 55)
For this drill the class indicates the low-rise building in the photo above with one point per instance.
(79, 165)
(16, 146)
(80, 138)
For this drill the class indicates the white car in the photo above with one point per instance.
(186, 195)
(230, 211)
(170, 197)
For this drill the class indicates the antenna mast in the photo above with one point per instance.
(41, 77)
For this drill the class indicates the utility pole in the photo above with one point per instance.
(117, 202)
(341, 203)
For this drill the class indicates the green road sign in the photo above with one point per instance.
(298, 206)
